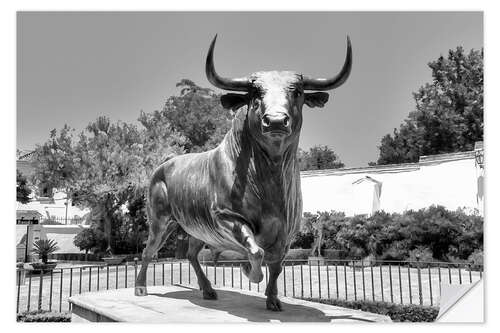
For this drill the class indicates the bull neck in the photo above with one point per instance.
(240, 144)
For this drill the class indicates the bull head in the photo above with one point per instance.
(275, 98)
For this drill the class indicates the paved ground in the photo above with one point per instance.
(234, 306)
(296, 281)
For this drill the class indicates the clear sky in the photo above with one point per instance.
(73, 67)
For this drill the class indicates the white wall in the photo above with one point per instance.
(62, 234)
(450, 180)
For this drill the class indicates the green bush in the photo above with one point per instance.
(397, 312)
(445, 235)
(476, 258)
(43, 316)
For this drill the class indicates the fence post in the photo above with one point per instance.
(328, 279)
(363, 278)
(381, 281)
(51, 284)
(284, 278)
(354, 279)
(345, 280)
(336, 280)
(40, 291)
(409, 282)
(60, 290)
(90, 278)
(301, 282)
(80, 282)
(116, 277)
(135, 270)
(430, 284)
(400, 284)
(19, 277)
(373, 284)
(421, 301)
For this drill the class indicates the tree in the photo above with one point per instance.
(106, 165)
(448, 115)
(56, 161)
(317, 158)
(23, 192)
(87, 239)
(197, 114)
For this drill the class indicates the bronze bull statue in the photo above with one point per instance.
(244, 195)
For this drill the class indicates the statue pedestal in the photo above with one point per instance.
(182, 304)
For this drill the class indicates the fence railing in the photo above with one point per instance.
(388, 281)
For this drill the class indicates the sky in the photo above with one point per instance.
(74, 67)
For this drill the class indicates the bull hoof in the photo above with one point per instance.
(209, 294)
(273, 303)
(141, 291)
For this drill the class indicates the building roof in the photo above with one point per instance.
(389, 168)
(28, 215)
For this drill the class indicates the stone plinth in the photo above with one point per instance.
(181, 304)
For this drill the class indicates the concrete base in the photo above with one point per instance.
(181, 304)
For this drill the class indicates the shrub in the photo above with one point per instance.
(476, 258)
(44, 247)
(397, 312)
(44, 316)
(446, 235)
(303, 241)
(421, 253)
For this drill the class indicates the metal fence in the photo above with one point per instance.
(387, 281)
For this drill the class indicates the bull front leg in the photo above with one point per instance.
(272, 301)
(253, 270)
(245, 237)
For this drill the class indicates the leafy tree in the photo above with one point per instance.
(23, 192)
(317, 158)
(87, 240)
(448, 115)
(197, 114)
(106, 165)
(56, 161)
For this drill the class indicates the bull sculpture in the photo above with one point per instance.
(244, 195)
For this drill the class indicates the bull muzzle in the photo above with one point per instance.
(276, 125)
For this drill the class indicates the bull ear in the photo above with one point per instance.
(234, 101)
(317, 99)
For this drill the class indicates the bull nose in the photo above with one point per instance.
(276, 122)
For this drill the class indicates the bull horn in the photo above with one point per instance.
(338, 80)
(219, 81)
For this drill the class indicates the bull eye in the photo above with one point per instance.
(297, 93)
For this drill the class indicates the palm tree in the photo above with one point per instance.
(44, 247)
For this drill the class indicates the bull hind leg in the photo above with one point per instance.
(159, 230)
(195, 246)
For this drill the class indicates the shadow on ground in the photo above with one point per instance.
(253, 308)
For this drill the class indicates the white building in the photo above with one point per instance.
(452, 180)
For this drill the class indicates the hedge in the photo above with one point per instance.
(431, 234)
(44, 316)
(397, 312)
